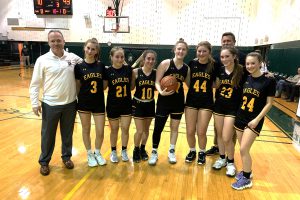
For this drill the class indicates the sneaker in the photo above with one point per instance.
(92, 162)
(172, 156)
(242, 183)
(240, 175)
(212, 151)
(201, 158)
(124, 155)
(230, 170)
(191, 156)
(153, 158)
(219, 164)
(144, 154)
(136, 155)
(114, 156)
(100, 160)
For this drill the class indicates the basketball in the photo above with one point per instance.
(169, 82)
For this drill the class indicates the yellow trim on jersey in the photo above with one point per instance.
(224, 115)
(198, 108)
(144, 101)
(90, 112)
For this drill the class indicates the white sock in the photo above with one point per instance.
(97, 151)
(172, 146)
(193, 149)
(153, 149)
(89, 151)
(202, 150)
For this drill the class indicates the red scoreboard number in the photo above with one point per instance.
(53, 7)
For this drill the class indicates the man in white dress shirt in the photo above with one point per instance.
(54, 74)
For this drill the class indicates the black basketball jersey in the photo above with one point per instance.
(177, 97)
(227, 95)
(145, 85)
(255, 93)
(200, 81)
(119, 83)
(91, 80)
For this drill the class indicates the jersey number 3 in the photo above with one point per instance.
(94, 85)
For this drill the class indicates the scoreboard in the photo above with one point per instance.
(53, 7)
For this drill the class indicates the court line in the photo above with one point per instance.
(284, 107)
(85, 178)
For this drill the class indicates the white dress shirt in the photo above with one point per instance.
(55, 76)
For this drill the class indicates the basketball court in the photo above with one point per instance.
(275, 154)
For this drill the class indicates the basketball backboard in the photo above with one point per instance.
(116, 24)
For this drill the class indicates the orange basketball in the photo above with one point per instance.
(169, 82)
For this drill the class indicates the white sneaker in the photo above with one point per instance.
(92, 162)
(172, 156)
(100, 160)
(153, 158)
(231, 170)
(219, 163)
(124, 155)
(114, 156)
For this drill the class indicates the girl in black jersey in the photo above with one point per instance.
(257, 98)
(170, 103)
(89, 82)
(199, 101)
(118, 107)
(143, 108)
(228, 94)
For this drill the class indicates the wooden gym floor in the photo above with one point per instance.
(276, 161)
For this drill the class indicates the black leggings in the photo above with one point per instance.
(159, 125)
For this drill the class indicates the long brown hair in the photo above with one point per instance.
(96, 43)
(211, 61)
(237, 69)
(144, 55)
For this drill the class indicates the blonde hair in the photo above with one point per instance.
(114, 50)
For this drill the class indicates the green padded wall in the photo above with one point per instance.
(284, 61)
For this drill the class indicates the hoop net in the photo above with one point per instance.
(115, 30)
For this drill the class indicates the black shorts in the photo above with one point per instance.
(142, 109)
(197, 104)
(115, 112)
(240, 124)
(225, 110)
(86, 106)
(175, 113)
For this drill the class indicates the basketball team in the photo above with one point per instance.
(229, 87)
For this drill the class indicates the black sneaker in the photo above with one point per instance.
(201, 158)
(191, 156)
(136, 155)
(212, 151)
(144, 154)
